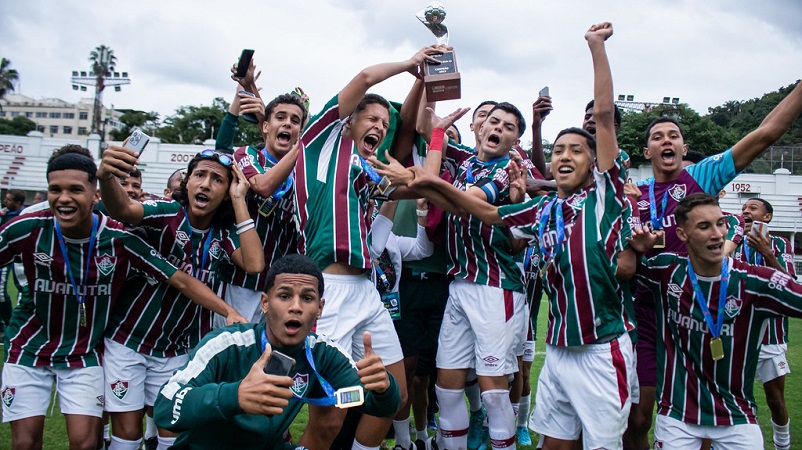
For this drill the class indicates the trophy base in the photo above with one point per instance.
(442, 80)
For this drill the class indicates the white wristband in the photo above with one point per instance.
(244, 223)
(422, 212)
(245, 228)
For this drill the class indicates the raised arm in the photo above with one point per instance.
(405, 133)
(200, 294)
(265, 184)
(355, 90)
(604, 108)
(773, 126)
(250, 254)
(540, 109)
(118, 162)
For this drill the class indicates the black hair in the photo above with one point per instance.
(172, 175)
(294, 263)
(691, 201)
(584, 133)
(17, 194)
(135, 173)
(766, 204)
(290, 99)
(459, 135)
(370, 99)
(693, 156)
(72, 160)
(70, 148)
(224, 215)
(616, 114)
(476, 110)
(660, 120)
(510, 108)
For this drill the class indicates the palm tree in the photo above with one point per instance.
(8, 77)
(103, 62)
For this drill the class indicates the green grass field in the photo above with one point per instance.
(55, 437)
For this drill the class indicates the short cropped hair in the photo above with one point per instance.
(766, 204)
(584, 133)
(370, 99)
(73, 157)
(290, 99)
(616, 114)
(294, 263)
(691, 201)
(510, 108)
(486, 102)
(659, 120)
(18, 195)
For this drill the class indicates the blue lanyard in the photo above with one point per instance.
(469, 177)
(544, 219)
(370, 171)
(206, 245)
(715, 328)
(758, 256)
(527, 258)
(329, 399)
(287, 185)
(657, 222)
(63, 246)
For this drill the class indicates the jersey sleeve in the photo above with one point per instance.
(9, 234)
(455, 154)
(522, 219)
(714, 172)
(776, 293)
(250, 160)
(784, 256)
(225, 135)
(192, 397)
(156, 213)
(735, 228)
(147, 259)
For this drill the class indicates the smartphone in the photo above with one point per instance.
(249, 117)
(137, 141)
(279, 364)
(543, 92)
(244, 63)
(761, 228)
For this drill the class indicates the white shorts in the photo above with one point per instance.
(352, 307)
(672, 434)
(25, 391)
(481, 329)
(584, 389)
(247, 302)
(772, 363)
(523, 320)
(133, 379)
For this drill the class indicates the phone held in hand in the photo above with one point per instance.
(279, 364)
(249, 117)
(760, 228)
(244, 63)
(543, 92)
(137, 141)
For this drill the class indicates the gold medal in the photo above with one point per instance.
(716, 349)
(546, 268)
(661, 239)
(83, 314)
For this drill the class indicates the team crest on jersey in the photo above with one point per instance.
(8, 396)
(299, 384)
(674, 290)
(105, 264)
(576, 202)
(733, 306)
(182, 237)
(43, 259)
(119, 388)
(677, 192)
(215, 249)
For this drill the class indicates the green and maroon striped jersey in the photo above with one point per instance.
(777, 327)
(45, 327)
(735, 228)
(333, 194)
(585, 298)
(277, 230)
(691, 386)
(155, 318)
(479, 252)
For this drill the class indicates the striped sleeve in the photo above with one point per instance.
(714, 172)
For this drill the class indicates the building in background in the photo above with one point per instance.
(58, 119)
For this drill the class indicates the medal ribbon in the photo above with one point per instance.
(329, 399)
(92, 237)
(287, 185)
(657, 222)
(758, 256)
(545, 216)
(370, 171)
(715, 328)
(206, 245)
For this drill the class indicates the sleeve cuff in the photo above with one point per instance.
(229, 399)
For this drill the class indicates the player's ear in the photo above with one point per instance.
(264, 303)
(681, 234)
(320, 310)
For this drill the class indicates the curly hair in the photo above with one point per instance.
(224, 215)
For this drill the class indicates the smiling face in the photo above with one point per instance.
(132, 186)
(291, 307)
(207, 187)
(498, 135)
(754, 210)
(72, 198)
(704, 233)
(665, 149)
(282, 129)
(368, 128)
(571, 163)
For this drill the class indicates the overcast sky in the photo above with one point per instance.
(179, 52)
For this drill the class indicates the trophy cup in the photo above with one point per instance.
(442, 80)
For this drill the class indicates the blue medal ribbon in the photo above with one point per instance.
(758, 256)
(370, 171)
(545, 216)
(657, 222)
(287, 185)
(715, 328)
(330, 398)
(469, 176)
(206, 245)
(92, 237)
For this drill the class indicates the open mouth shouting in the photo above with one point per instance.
(371, 142)
(283, 138)
(292, 327)
(668, 156)
(201, 199)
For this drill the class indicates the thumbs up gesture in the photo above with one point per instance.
(260, 393)
(372, 373)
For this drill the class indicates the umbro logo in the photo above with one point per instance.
(182, 237)
(490, 360)
(674, 290)
(43, 259)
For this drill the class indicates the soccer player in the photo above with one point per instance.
(334, 186)
(76, 265)
(665, 147)
(578, 234)
(223, 398)
(711, 310)
(174, 183)
(151, 336)
(12, 206)
(132, 184)
(774, 252)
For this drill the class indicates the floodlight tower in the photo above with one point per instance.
(101, 75)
